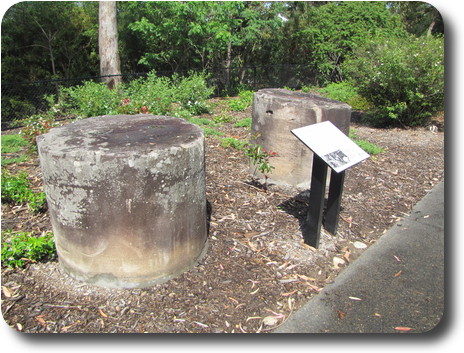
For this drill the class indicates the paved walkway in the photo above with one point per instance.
(397, 283)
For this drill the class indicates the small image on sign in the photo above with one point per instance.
(336, 159)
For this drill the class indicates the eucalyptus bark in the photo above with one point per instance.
(110, 64)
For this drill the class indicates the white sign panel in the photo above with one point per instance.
(332, 145)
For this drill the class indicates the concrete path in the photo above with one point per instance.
(397, 285)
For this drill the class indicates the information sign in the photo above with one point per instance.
(331, 148)
(336, 149)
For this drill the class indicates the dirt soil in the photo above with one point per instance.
(257, 270)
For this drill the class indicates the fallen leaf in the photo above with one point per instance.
(346, 255)
(397, 258)
(102, 313)
(403, 329)
(355, 298)
(378, 315)
(341, 314)
(252, 318)
(200, 324)
(270, 320)
(289, 293)
(337, 261)
(66, 328)
(41, 320)
(251, 234)
(6, 292)
(359, 245)
(398, 273)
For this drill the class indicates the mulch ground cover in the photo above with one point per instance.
(257, 270)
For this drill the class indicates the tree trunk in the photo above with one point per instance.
(228, 63)
(108, 43)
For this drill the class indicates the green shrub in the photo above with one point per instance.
(37, 125)
(403, 78)
(91, 99)
(21, 248)
(192, 92)
(178, 96)
(345, 92)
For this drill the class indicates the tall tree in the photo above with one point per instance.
(110, 64)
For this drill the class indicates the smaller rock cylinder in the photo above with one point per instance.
(278, 111)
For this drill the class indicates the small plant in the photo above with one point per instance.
(246, 122)
(17, 189)
(210, 131)
(21, 248)
(233, 143)
(223, 118)
(260, 158)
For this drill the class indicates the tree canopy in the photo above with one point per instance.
(42, 40)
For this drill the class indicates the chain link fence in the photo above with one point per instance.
(20, 100)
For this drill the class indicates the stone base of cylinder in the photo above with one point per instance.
(126, 196)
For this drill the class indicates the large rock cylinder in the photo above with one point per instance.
(126, 196)
(278, 111)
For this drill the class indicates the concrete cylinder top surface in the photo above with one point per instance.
(275, 113)
(126, 196)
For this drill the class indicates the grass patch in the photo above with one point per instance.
(367, 146)
(246, 122)
(13, 144)
(231, 142)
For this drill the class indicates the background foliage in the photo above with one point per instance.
(326, 40)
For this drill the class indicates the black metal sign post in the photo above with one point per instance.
(314, 218)
(313, 221)
(331, 148)
(334, 201)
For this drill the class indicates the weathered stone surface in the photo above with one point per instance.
(278, 111)
(126, 196)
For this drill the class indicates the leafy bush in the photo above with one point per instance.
(17, 189)
(37, 125)
(91, 99)
(192, 92)
(20, 248)
(403, 78)
(178, 96)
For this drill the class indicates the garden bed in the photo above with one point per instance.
(257, 270)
